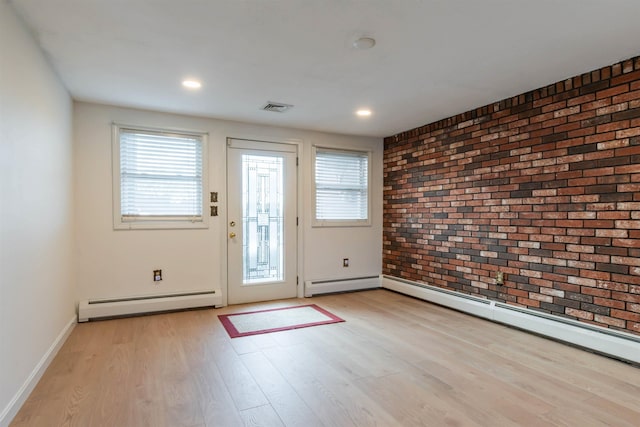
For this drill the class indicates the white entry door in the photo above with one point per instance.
(261, 221)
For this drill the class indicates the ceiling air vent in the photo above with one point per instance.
(276, 107)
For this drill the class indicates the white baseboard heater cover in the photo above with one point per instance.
(614, 343)
(317, 287)
(96, 309)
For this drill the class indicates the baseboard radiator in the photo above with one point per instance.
(619, 345)
(105, 308)
(317, 287)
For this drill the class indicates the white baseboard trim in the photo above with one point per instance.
(318, 287)
(619, 345)
(10, 411)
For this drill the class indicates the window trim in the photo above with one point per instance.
(159, 222)
(339, 222)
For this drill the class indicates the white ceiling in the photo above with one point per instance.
(433, 58)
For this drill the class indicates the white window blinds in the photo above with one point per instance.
(341, 185)
(160, 175)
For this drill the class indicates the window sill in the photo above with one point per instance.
(329, 224)
(160, 225)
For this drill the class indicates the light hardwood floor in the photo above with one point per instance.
(396, 361)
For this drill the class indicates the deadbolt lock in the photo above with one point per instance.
(232, 223)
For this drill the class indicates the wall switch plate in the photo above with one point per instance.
(157, 275)
(345, 262)
(214, 211)
(214, 197)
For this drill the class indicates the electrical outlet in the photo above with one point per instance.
(345, 262)
(157, 275)
(499, 278)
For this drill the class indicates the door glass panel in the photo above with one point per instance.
(262, 219)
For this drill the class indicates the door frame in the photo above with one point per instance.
(224, 200)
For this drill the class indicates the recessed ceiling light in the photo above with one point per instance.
(191, 84)
(364, 43)
(363, 113)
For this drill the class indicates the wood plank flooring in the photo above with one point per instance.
(396, 361)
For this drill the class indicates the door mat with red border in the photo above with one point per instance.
(276, 319)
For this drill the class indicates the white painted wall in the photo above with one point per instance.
(37, 290)
(119, 263)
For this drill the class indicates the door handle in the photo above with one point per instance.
(232, 235)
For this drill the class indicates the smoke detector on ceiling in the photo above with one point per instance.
(277, 107)
(364, 43)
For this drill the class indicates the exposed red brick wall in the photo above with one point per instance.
(544, 186)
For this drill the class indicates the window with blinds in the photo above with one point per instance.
(159, 178)
(341, 184)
